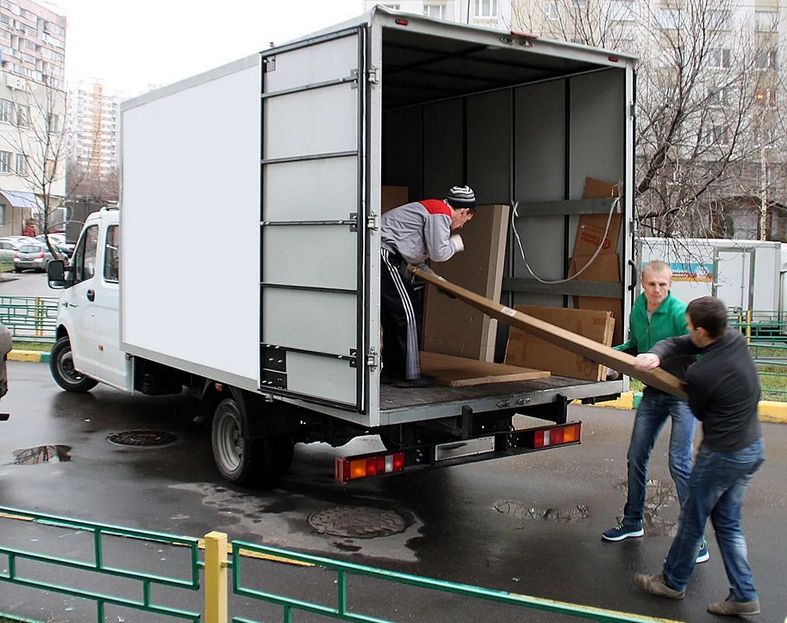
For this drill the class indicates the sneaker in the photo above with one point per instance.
(656, 585)
(623, 531)
(704, 555)
(735, 608)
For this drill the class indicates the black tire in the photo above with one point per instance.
(17, 270)
(241, 459)
(61, 365)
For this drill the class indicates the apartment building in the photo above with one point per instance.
(490, 13)
(32, 115)
(93, 129)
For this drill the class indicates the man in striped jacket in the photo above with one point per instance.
(411, 234)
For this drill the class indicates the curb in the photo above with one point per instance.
(35, 356)
(768, 410)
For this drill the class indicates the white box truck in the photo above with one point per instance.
(243, 262)
(748, 275)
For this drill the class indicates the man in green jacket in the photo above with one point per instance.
(656, 315)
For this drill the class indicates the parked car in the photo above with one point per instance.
(58, 242)
(29, 255)
(8, 249)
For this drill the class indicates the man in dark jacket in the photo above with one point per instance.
(656, 315)
(724, 392)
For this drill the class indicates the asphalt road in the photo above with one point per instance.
(528, 524)
(27, 283)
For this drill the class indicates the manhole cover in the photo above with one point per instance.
(360, 522)
(142, 438)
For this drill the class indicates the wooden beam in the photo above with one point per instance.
(579, 344)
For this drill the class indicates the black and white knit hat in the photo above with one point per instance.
(461, 197)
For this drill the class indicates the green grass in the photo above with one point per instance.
(44, 347)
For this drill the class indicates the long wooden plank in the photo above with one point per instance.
(579, 344)
(463, 372)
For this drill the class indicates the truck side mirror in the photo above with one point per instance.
(56, 274)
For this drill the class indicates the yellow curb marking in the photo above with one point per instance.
(24, 355)
(772, 411)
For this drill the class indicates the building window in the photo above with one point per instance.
(21, 164)
(766, 21)
(719, 20)
(486, 8)
(717, 135)
(766, 60)
(23, 115)
(552, 10)
(5, 161)
(2, 214)
(720, 97)
(719, 58)
(579, 4)
(621, 10)
(434, 10)
(765, 97)
(670, 19)
(7, 111)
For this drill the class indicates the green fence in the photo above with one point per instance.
(208, 576)
(766, 333)
(29, 318)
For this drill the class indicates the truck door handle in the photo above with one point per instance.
(91, 295)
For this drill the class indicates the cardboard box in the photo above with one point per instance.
(590, 229)
(604, 268)
(529, 351)
(393, 197)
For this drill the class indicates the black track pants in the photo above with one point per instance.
(399, 319)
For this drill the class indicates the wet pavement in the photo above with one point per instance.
(529, 524)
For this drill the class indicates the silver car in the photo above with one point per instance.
(35, 256)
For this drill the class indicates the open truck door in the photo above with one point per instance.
(313, 233)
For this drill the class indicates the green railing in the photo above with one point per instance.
(97, 565)
(215, 589)
(29, 318)
(766, 333)
(344, 570)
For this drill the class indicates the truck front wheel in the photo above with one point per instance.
(242, 459)
(61, 365)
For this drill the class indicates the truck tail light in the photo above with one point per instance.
(357, 467)
(557, 435)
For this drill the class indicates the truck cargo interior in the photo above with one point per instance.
(518, 122)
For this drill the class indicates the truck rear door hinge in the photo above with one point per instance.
(374, 75)
(373, 222)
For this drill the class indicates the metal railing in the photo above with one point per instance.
(29, 318)
(766, 334)
(216, 589)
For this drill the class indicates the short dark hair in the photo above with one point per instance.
(709, 313)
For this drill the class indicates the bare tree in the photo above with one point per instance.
(707, 121)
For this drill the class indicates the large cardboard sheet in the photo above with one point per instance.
(450, 327)
(462, 372)
(529, 351)
(579, 344)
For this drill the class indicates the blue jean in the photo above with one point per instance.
(652, 413)
(716, 490)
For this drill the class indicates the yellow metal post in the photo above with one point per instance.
(215, 577)
(748, 326)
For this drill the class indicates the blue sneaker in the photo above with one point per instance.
(704, 555)
(623, 531)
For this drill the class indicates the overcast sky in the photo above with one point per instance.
(135, 44)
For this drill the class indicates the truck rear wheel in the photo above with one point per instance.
(61, 365)
(242, 459)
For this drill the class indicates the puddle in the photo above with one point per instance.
(520, 510)
(658, 496)
(42, 454)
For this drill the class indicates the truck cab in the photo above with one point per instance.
(87, 349)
